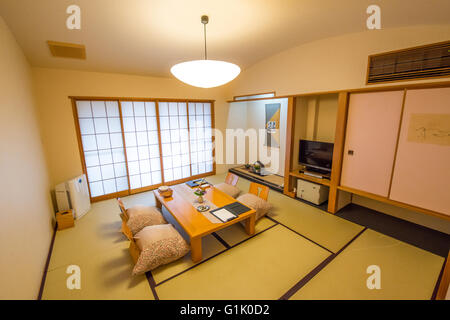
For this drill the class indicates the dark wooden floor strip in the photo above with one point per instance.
(316, 270)
(47, 263)
(419, 236)
(226, 245)
(152, 284)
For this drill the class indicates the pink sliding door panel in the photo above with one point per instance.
(371, 138)
(422, 168)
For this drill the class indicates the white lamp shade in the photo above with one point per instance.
(205, 73)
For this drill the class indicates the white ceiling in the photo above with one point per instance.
(149, 36)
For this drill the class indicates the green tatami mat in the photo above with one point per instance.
(236, 233)
(407, 272)
(324, 228)
(321, 227)
(105, 276)
(210, 247)
(95, 232)
(263, 267)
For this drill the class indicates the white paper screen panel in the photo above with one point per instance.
(104, 155)
(174, 140)
(200, 136)
(141, 143)
(131, 145)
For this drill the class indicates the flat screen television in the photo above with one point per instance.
(315, 155)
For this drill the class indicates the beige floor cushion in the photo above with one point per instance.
(261, 206)
(159, 245)
(228, 189)
(143, 216)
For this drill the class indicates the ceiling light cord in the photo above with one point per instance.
(204, 33)
(205, 73)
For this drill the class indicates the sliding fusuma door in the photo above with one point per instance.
(370, 142)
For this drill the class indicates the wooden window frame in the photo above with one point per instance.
(119, 100)
(253, 95)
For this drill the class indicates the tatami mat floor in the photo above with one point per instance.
(406, 271)
(298, 252)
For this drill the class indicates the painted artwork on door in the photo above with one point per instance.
(273, 125)
(430, 128)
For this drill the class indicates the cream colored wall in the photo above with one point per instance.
(251, 115)
(26, 215)
(315, 119)
(256, 119)
(311, 118)
(53, 87)
(326, 119)
(334, 64)
(330, 64)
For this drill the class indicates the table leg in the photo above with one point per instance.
(196, 249)
(250, 225)
(158, 203)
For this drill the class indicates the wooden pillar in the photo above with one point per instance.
(445, 281)
(338, 152)
(289, 146)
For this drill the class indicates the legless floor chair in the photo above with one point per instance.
(134, 250)
(135, 218)
(256, 199)
(124, 217)
(231, 179)
(259, 190)
(229, 186)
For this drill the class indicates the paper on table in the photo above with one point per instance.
(224, 214)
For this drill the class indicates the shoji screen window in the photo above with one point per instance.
(200, 132)
(174, 140)
(101, 137)
(141, 143)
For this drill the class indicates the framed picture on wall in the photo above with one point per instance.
(272, 125)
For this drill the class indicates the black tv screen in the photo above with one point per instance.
(315, 154)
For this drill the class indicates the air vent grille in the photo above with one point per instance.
(67, 50)
(429, 61)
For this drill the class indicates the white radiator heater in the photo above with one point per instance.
(74, 194)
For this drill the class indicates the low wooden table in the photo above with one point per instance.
(195, 223)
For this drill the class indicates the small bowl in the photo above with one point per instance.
(202, 208)
(166, 193)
